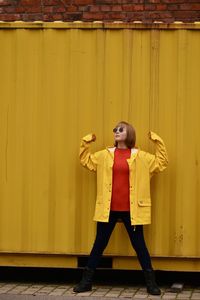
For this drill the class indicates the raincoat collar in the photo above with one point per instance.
(134, 152)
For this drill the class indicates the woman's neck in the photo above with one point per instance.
(121, 145)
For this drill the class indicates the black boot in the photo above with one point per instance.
(86, 282)
(152, 287)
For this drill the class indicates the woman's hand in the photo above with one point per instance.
(93, 138)
(152, 136)
(149, 134)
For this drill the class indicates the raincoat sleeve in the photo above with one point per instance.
(159, 161)
(88, 159)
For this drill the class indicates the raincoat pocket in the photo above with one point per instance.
(144, 202)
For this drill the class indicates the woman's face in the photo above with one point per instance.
(120, 133)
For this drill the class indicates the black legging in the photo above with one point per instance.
(103, 234)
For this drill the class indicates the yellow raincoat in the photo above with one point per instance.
(142, 166)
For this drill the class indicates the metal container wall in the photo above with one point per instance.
(58, 84)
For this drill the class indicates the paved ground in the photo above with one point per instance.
(41, 291)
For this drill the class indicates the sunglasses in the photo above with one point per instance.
(119, 129)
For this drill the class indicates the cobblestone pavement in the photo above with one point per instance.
(101, 291)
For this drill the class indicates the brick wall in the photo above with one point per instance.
(105, 10)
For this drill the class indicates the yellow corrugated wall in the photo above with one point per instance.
(58, 84)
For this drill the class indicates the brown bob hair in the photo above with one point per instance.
(131, 135)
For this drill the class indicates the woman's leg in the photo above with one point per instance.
(137, 240)
(103, 234)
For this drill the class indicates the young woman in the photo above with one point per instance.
(123, 192)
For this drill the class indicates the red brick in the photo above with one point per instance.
(59, 9)
(150, 7)
(93, 16)
(5, 2)
(138, 7)
(94, 8)
(173, 1)
(83, 2)
(10, 17)
(51, 2)
(57, 16)
(173, 7)
(32, 9)
(190, 6)
(72, 16)
(114, 2)
(47, 17)
(83, 8)
(134, 16)
(105, 2)
(48, 9)
(116, 8)
(161, 7)
(71, 8)
(9, 9)
(117, 16)
(127, 7)
(67, 2)
(185, 15)
(154, 16)
(20, 9)
(105, 8)
(136, 2)
(154, 1)
(32, 17)
(30, 3)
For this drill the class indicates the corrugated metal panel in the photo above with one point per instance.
(58, 85)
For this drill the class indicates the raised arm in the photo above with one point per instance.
(159, 161)
(87, 159)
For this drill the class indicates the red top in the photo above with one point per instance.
(120, 184)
